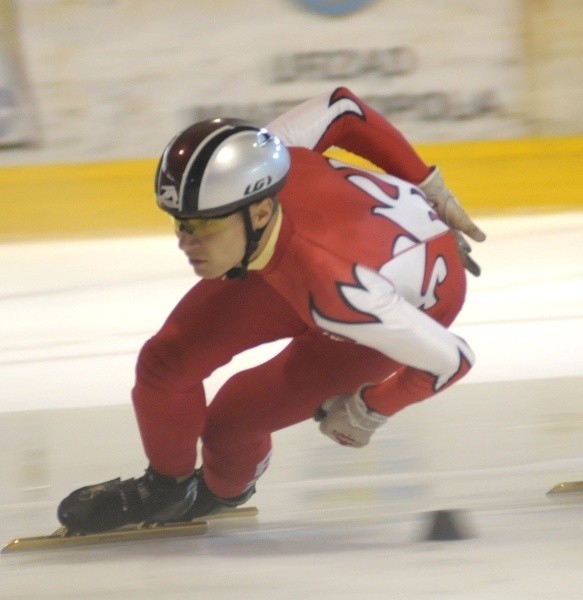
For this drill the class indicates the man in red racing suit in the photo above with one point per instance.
(361, 269)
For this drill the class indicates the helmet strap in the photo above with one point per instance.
(253, 237)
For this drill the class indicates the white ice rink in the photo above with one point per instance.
(334, 523)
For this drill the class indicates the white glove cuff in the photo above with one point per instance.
(434, 188)
(447, 206)
(359, 415)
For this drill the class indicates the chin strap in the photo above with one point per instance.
(253, 238)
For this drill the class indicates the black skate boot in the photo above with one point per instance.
(152, 498)
(207, 503)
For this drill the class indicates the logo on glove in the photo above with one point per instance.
(345, 440)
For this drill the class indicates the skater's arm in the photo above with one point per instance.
(343, 120)
(431, 356)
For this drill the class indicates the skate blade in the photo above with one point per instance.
(131, 533)
(567, 487)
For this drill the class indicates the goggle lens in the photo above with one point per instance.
(200, 227)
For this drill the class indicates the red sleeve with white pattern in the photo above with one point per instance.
(343, 120)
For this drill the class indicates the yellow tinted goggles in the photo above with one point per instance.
(200, 227)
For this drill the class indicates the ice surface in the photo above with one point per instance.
(333, 522)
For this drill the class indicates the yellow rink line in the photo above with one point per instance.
(116, 198)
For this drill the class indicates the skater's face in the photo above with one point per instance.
(213, 246)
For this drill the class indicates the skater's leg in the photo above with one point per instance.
(283, 391)
(216, 320)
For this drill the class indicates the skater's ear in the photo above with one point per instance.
(262, 211)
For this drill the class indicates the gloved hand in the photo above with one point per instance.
(454, 216)
(347, 420)
(464, 250)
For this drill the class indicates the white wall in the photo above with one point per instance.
(17, 116)
(117, 79)
(553, 41)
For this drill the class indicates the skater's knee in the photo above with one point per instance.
(220, 432)
(164, 363)
(230, 433)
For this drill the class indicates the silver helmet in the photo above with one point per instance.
(215, 167)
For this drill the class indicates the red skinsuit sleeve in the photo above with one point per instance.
(341, 119)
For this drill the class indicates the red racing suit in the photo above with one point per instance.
(363, 277)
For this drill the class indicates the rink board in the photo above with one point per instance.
(116, 198)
